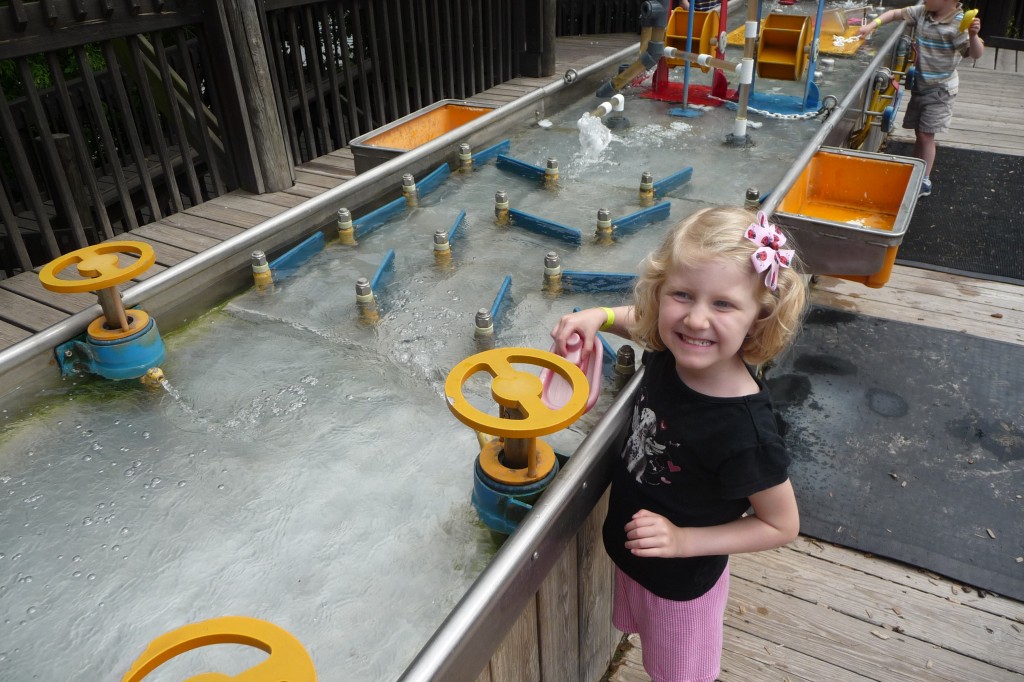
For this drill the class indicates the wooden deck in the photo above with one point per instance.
(814, 612)
(810, 611)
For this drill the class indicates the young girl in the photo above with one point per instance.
(718, 296)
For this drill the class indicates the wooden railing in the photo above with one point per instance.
(127, 116)
(137, 109)
(1011, 53)
(349, 67)
(585, 17)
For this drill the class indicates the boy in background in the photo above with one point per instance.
(940, 46)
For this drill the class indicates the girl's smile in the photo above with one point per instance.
(705, 313)
(696, 342)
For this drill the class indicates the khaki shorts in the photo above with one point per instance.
(930, 111)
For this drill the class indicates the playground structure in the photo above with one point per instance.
(882, 101)
(781, 46)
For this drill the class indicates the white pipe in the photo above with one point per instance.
(618, 102)
(739, 128)
(746, 71)
(705, 60)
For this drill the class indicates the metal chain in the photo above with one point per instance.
(786, 117)
(827, 105)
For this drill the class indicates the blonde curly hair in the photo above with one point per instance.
(719, 234)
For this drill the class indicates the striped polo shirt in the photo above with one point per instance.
(940, 47)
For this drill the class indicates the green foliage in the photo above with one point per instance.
(1012, 30)
(42, 78)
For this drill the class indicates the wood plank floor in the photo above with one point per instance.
(988, 114)
(815, 612)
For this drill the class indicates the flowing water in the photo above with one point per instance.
(301, 466)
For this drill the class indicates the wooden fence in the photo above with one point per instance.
(587, 17)
(137, 109)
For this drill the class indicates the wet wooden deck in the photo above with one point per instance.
(814, 612)
(810, 611)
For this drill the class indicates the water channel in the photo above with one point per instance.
(302, 466)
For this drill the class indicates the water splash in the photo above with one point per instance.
(175, 395)
(173, 392)
(594, 137)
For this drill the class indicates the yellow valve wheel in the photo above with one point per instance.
(287, 659)
(99, 265)
(518, 390)
(968, 19)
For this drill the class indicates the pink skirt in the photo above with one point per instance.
(681, 640)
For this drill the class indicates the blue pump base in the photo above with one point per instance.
(502, 507)
(127, 358)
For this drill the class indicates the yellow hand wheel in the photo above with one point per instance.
(99, 265)
(287, 661)
(968, 19)
(518, 390)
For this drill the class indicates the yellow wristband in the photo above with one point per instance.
(610, 321)
(878, 21)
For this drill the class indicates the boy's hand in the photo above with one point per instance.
(867, 29)
(975, 27)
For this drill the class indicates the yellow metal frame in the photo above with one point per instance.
(705, 26)
(784, 46)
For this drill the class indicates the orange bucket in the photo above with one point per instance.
(411, 131)
(848, 212)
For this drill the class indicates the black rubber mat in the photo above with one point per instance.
(908, 442)
(971, 223)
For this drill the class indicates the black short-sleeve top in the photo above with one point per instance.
(694, 459)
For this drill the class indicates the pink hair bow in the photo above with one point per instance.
(768, 255)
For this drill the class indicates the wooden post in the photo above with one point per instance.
(537, 38)
(549, 16)
(257, 139)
